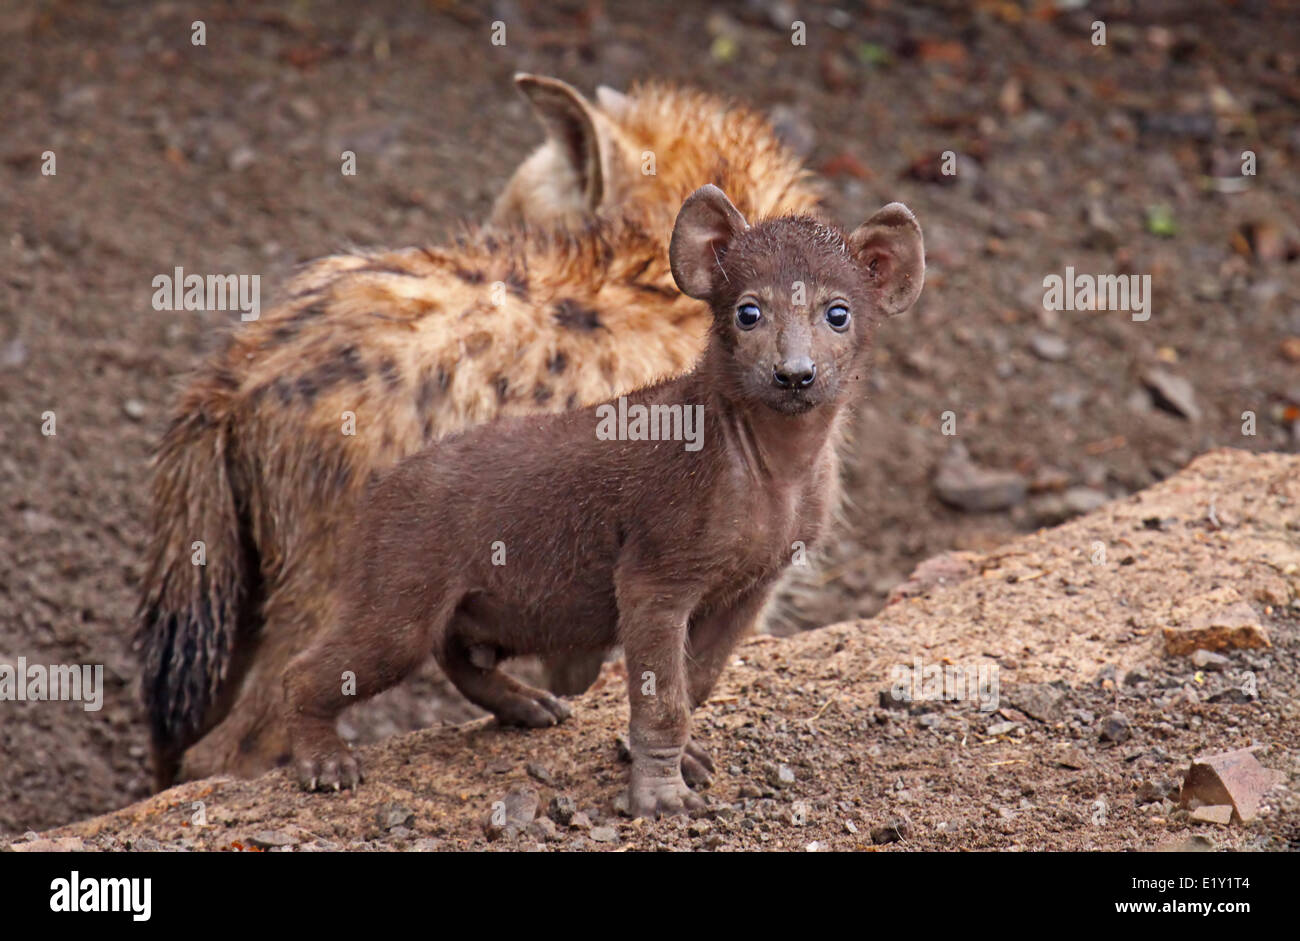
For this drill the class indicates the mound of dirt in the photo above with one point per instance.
(1076, 736)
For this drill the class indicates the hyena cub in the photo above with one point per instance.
(671, 550)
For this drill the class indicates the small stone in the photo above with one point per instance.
(272, 839)
(604, 834)
(394, 815)
(894, 830)
(1082, 500)
(1040, 701)
(562, 809)
(962, 484)
(241, 158)
(580, 821)
(539, 773)
(543, 828)
(1228, 627)
(779, 775)
(1000, 728)
(511, 815)
(1214, 813)
(1172, 393)
(133, 409)
(1151, 792)
(1210, 661)
(1049, 347)
(1115, 728)
(1234, 777)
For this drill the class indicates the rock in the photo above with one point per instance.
(272, 839)
(1172, 393)
(562, 809)
(512, 815)
(1073, 758)
(544, 829)
(133, 409)
(1040, 701)
(1210, 661)
(580, 821)
(894, 830)
(1000, 728)
(1048, 346)
(1151, 792)
(960, 483)
(1234, 777)
(539, 773)
(241, 158)
(1216, 813)
(394, 815)
(604, 834)
(779, 775)
(1083, 500)
(1115, 728)
(1225, 628)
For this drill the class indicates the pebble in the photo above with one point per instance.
(1115, 728)
(1049, 347)
(604, 834)
(133, 409)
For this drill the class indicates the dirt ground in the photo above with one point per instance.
(1117, 158)
(1083, 743)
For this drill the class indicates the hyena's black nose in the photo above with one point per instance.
(795, 373)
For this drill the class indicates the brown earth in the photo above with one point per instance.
(224, 158)
(1072, 619)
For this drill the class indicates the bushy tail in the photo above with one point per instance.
(201, 575)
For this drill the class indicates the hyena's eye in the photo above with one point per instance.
(748, 315)
(837, 315)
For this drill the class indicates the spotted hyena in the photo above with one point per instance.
(563, 300)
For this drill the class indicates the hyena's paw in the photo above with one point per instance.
(697, 766)
(531, 708)
(326, 764)
(654, 797)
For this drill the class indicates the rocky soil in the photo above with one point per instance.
(1123, 158)
(1095, 724)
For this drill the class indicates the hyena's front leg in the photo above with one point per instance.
(652, 626)
(713, 636)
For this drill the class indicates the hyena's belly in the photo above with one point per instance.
(552, 621)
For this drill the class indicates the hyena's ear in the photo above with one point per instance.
(705, 227)
(575, 130)
(889, 247)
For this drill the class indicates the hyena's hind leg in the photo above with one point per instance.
(472, 666)
(252, 738)
(370, 647)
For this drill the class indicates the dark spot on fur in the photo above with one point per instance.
(428, 390)
(542, 394)
(468, 275)
(658, 290)
(307, 388)
(311, 311)
(517, 283)
(392, 376)
(502, 385)
(284, 333)
(444, 378)
(558, 362)
(569, 313)
(490, 244)
(571, 402)
(428, 428)
(284, 389)
(477, 343)
(386, 441)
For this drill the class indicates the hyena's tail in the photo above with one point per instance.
(200, 584)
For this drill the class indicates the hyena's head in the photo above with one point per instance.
(641, 153)
(795, 301)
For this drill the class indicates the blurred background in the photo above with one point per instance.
(1117, 158)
